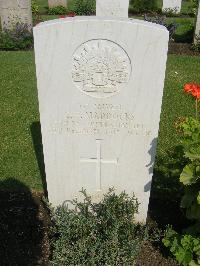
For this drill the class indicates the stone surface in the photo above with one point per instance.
(100, 85)
(53, 3)
(197, 30)
(16, 11)
(173, 5)
(112, 8)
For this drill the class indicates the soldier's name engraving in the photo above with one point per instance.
(99, 119)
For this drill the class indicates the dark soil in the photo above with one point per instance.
(182, 49)
(24, 224)
(24, 233)
(152, 256)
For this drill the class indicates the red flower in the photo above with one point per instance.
(193, 89)
(71, 14)
(188, 88)
(196, 93)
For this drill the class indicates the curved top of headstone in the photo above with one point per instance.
(99, 19)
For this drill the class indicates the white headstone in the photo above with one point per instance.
(100, 84)
(54, 3)
(112, 8)
(13, 12)
(172, 5)
(197, 30)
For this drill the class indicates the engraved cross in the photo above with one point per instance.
(99, 161)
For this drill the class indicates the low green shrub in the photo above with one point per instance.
(84, 7)
(57, 10)
(19, 38)
(140, 6)
(190, 176)
(185, 248)
(184, 33)
(97, 234)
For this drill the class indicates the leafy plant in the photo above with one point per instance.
(34, 7)
(195, 7)
(190, 176)
(35, 11)
(185, 248)
(57, 10)
(84, 7)
(184, 33)
(18, 38)
(97, 234)
(139, 6)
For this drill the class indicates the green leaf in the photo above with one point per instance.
(184, 256)
(187, 176)
(193, 263)
(198, 198)
(166, 242)
(187, 242)
(187, 199)
(192, 155)
(193, 212)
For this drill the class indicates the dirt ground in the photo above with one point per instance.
(24, 224)
(182, 49)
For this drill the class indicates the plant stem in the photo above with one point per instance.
(196, 108)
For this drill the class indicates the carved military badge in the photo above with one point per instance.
(100, 68)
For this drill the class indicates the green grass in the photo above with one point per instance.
(19, 112)
(187, 7)
(185, 29)
(49, 17)
(43, 6)
(180, 70)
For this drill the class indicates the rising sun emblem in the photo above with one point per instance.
(100, 68)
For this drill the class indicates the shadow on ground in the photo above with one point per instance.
(38, 147)
(23, 226)
(166, 192)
